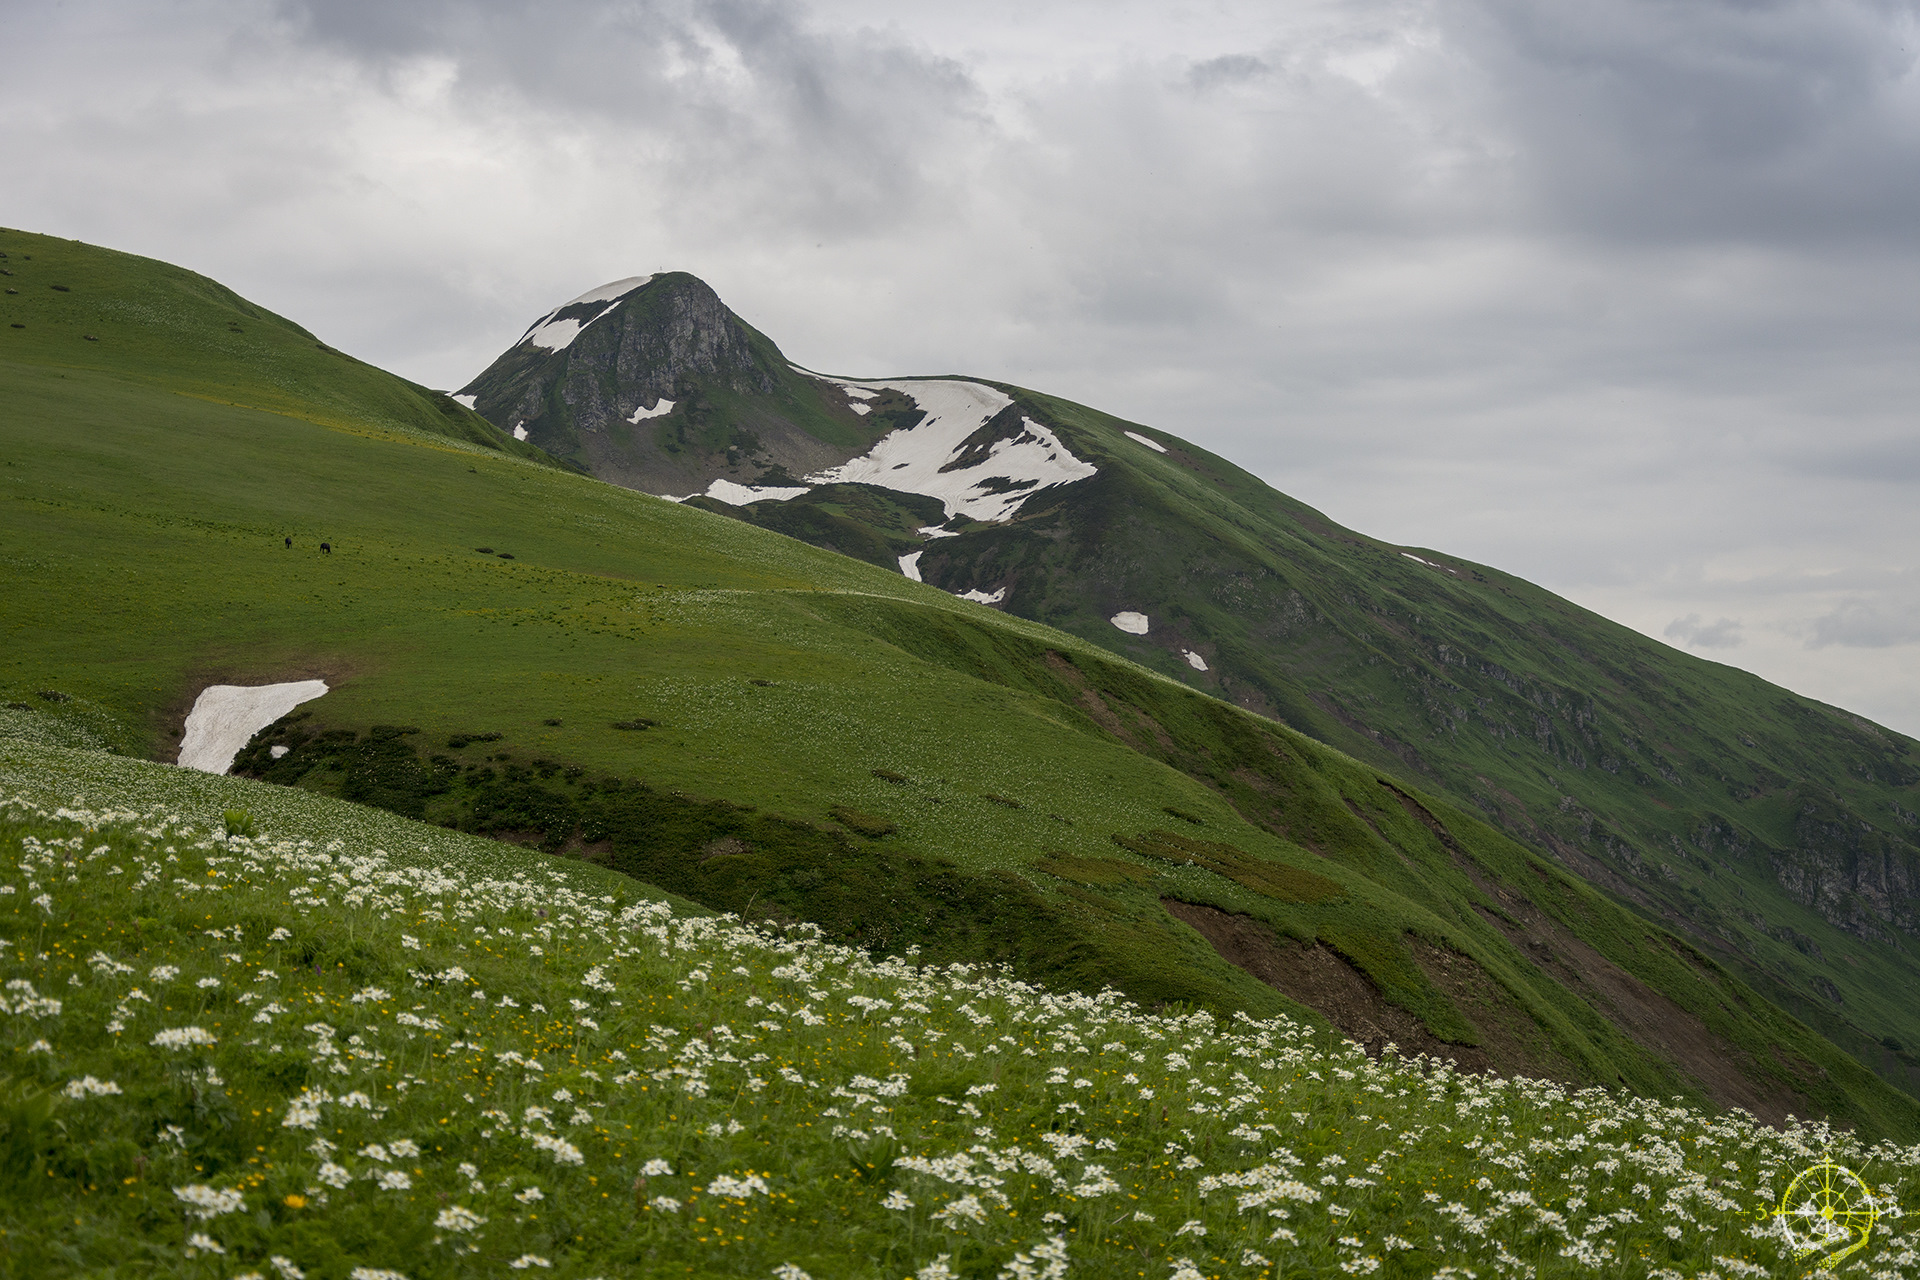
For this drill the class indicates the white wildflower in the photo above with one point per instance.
(88, 1087)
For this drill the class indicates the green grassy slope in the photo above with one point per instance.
(292, 1053)
(771, 729)
(69, 305)
(1777, 832)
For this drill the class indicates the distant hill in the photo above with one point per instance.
(1778, 833)
(764, 727)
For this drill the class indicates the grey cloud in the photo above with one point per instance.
(1691, 631)
(1228, 69)
(1861, 623)
(1783, 120)
(752, 115)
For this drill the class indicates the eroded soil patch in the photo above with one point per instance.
(1317, 976)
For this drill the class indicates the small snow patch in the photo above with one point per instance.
(465, 401)
(226, 716)
(981, 597)
(910, 565)
(739, 495)
(859, 393)
(1134, 624)
(1430, 564)
(1194, 660)
(1154, 445)
(862, 409)
(935, 531)
(277, 752)
(519, 431)
(661, 409)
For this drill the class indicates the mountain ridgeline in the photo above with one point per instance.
(1781, 835)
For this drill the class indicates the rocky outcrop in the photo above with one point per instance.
(632, 397)
(1858, 877)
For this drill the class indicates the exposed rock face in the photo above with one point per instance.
(632, 397)
(1858, 877)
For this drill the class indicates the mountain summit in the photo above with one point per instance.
(652, 383)
(1778, 832)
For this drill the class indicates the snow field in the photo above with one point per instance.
(910, 565)
(660, 409)
(1134, 624)
(226, 716)
(1194, 660)
(911, 460)
(1154, 445)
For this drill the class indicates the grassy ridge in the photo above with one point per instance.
(775, 730)
(244, 1054)
(72, 306)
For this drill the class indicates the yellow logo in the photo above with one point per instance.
(1828, 1210)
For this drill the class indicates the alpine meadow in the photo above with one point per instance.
(960, 834)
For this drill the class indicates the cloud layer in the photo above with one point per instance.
(1620, 295)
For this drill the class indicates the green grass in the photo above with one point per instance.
(296, 1053)
(797, 704)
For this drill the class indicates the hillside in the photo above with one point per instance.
(775, 730)
(263, 1049)
(1780, 835)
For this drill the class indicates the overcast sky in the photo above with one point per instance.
(1619, 295)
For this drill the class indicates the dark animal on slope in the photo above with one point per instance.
(327, 547)
(289, 542)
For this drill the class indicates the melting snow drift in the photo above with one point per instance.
(464, 401)
(226, 716)
(557, 335)
(1134, 624)
(981, 597)
(659, 410)
(987, 480)
(1154, 445)
(739, 495)
(910, 565)
(1194, 660)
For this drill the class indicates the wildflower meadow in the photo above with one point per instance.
(231, 1055)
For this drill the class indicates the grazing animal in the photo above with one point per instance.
(289, 542)
(327, 547)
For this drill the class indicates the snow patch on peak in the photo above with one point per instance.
(519, 431)
(910, 565)
(659, 410)
(1134, 624)
(985, 480)
(1154, 445)
(607, 292)
(558, 335)
(465, 401)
